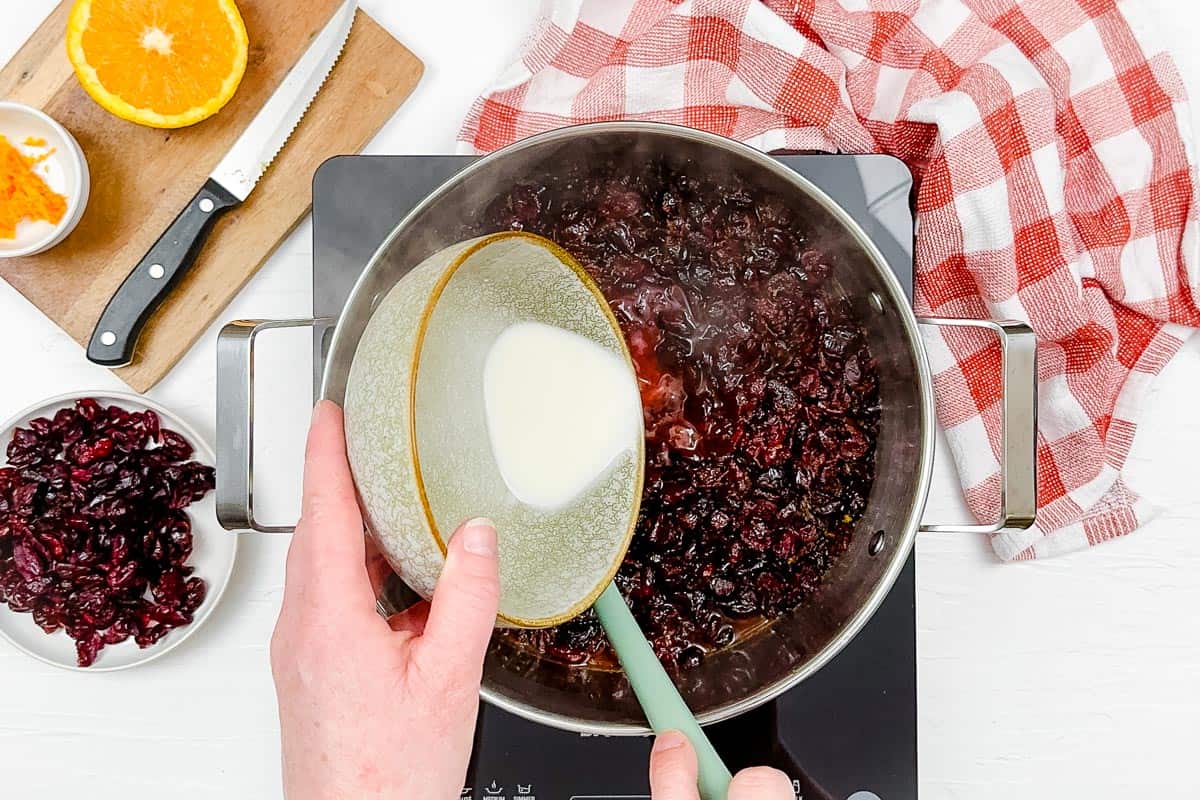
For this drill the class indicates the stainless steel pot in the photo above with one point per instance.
(774, 658)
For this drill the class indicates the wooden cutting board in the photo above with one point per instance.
(142, 177)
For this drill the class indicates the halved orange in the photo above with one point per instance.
(162, 63)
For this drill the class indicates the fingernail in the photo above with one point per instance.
(318, 409)
(669, 740)
(479, 536)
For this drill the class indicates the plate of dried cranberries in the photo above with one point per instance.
(110, 551)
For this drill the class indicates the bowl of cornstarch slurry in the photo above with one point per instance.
(493, 380)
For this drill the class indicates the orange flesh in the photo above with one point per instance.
(187, 49)
(23, 193)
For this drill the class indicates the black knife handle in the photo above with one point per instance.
(141, 292)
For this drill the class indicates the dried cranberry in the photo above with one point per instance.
(87, 644)
(90, 518)
(84, 453)
(175, 445)
(27, 560)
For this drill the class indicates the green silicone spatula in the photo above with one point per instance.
(660, 700)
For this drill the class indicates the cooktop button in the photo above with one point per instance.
(864, 796)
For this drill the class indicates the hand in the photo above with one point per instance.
(370, 707)
(673, 773)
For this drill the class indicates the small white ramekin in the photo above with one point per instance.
(65, 171)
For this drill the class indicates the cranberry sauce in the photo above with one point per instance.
(760, 397)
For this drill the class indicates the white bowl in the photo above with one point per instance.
(213, 551)
(65, 171)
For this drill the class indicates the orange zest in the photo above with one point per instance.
(23, 193)
(161, 63)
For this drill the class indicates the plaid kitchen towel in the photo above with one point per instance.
(1051, 145)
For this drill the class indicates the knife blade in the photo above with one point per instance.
(115, 335)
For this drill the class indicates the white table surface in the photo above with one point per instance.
(1077, 677)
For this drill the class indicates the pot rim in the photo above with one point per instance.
(897, 300)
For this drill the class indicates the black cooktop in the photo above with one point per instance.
(849, 732)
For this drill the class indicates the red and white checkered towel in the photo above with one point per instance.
(1051, 144)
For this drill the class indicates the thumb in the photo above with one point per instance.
(462, 614)
(674, 769)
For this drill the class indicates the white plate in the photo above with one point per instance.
(65, 172)
(213, 553)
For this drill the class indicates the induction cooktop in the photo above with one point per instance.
(849, 732)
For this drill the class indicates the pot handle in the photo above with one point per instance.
(235, 420)
(1018, 459)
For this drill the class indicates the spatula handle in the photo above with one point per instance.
(660, 700)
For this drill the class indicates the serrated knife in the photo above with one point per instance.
(117, 331)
